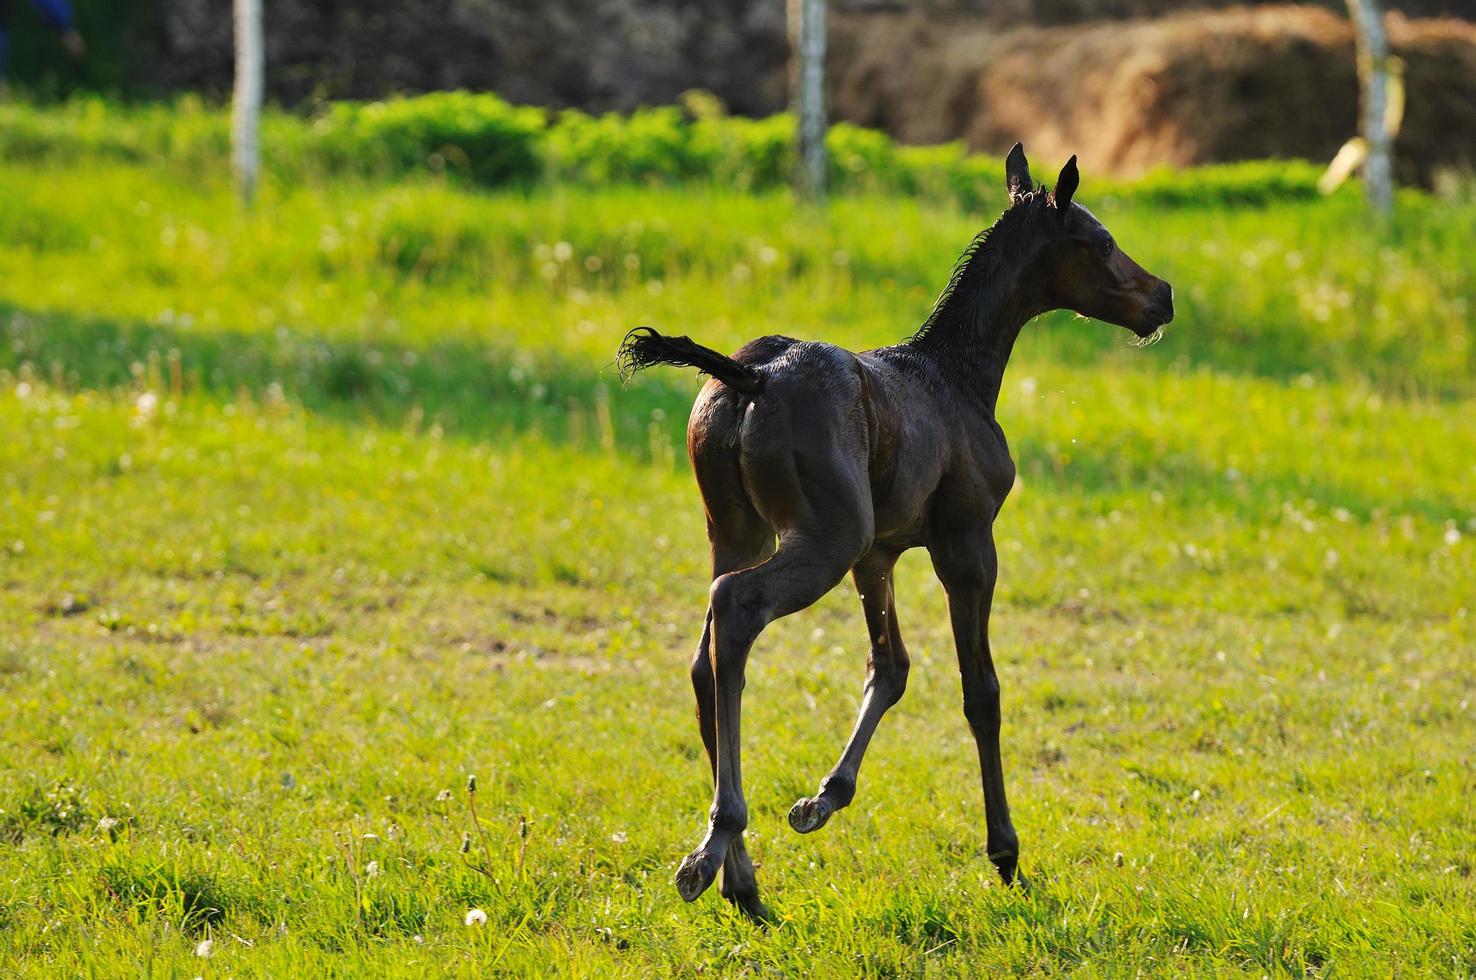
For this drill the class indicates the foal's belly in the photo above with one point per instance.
(901, 511)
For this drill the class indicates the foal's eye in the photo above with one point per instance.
(1106, 248)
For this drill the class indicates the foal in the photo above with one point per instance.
(850, 460)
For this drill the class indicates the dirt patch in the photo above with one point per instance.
(1195, 87)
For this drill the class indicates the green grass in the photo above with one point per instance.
(307, 514)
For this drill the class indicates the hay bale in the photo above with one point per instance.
(1194, 87)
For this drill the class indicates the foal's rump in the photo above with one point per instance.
(802, 444)
(781, 434)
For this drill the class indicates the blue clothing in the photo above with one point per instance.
(56, 14)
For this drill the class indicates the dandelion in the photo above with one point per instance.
(619, 837)
(146, 404)
(372, 869)
(471, 784)
(476, 917)
(107, 823)
(444, 796)
(465, 841)
(206, 947)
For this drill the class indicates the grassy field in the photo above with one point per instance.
(307, 514)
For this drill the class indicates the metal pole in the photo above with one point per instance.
(810, 85)
(1373, 76)
(246, 100)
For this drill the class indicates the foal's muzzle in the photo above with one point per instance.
(1158, 310)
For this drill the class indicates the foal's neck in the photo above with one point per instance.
(972, 330)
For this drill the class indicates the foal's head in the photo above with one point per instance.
(1076, 262)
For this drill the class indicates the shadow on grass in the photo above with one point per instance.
(481, 391)
(467, 389)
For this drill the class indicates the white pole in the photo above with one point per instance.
(246, 100)
(1373, 76)
(810, 96)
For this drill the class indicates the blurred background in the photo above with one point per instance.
(1127, 83)
(319, 489)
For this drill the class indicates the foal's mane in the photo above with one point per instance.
(1015, 220)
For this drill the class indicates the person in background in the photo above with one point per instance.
(58, 16)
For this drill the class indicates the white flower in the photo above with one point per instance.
(476, 917)
(443, 796)
(372, 869)
(205, 948)
(107, 823)
(619, 837)
(146, 404)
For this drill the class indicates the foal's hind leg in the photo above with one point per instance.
(808, 564)
(886, 679)
(739, 884)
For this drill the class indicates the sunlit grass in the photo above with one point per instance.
(305, 515)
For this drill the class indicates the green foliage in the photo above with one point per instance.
(479, 137)
(1251, 183)
(308, 512)
(482, 140)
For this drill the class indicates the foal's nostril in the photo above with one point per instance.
(1166, 302)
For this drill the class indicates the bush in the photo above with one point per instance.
(1253, 182)
(482, 137)
(484, 141)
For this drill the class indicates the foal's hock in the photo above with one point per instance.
(813, 462)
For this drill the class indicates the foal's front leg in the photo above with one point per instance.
(968, 567)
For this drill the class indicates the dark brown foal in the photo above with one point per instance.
(844, 461)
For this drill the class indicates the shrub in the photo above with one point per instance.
(483, 140)
(480, 136)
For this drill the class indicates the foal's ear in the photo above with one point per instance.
(1017, 174)
(1066, 185)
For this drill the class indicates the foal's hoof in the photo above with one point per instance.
(748, 903)
(810, 814)
(696, 874)
(1009, 872)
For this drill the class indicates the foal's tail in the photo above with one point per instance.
(644, 347)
